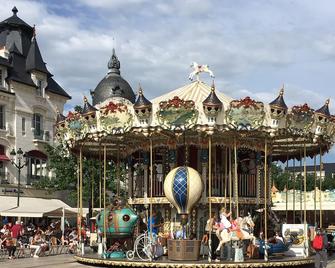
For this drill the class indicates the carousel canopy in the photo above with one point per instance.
(195, 111)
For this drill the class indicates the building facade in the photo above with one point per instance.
(30, 100)
(327, 170)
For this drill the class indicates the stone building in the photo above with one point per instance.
(29, 101)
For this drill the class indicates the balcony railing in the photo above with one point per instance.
(38, 134)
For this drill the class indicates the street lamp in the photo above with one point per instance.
(20, 155)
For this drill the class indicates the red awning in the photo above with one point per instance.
(4, 157)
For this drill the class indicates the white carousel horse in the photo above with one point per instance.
(198, 69)
(245, 225)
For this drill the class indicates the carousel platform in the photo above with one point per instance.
(93, 259)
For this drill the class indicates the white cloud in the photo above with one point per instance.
(157, 40)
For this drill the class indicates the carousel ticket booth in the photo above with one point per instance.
(185, 155)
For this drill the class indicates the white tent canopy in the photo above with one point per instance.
(34, 207)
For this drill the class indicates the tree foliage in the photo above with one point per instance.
(64, 167)
(282, 179)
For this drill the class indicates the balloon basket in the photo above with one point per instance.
(184, 250)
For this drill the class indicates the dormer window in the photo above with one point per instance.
(39, 90)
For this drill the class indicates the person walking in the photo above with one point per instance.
(210, 230)
(320, 244)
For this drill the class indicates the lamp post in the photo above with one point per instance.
(19, 165)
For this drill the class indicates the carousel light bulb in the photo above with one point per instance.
(183, 188)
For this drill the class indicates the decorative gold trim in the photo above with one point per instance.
(213, 199)
(154, 200)
(254, 263)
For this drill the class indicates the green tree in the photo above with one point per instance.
(78, 109)
(281, 178)
(64, 167)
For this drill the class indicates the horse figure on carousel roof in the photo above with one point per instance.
(199, 69)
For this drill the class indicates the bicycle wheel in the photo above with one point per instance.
(143, 247)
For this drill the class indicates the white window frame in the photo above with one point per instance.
(34, 124)
(39, 89)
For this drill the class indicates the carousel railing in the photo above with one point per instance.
(247, 185)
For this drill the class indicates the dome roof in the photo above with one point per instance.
(142, 102)
(279, 101)
(212, 100)
(113, 85)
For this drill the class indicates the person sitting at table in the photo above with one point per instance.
(10, 244)
(73, 241)
(38, 244)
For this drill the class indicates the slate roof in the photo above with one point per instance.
(55, 88)
(142, 101)
(88, 108)
(24, 54)
(34, 59)
(279, 101)
(18, 72)
(113, 84)
(212, 99)
(324, 109)
(14, 20)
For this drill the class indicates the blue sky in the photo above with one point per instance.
(253, 47)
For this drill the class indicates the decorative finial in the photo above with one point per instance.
(327, 102)
(14, 10)
(114, 63)
(281, 91)
(85, 99)
(34, 31)
(140, 90)
(213, 86)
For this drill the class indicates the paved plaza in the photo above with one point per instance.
(67, 261)
(58, 261)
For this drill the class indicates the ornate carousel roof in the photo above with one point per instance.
(195, 111)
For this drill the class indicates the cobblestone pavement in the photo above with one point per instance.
(58, 261)
(67, 261)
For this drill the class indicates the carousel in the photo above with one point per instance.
(186, 162)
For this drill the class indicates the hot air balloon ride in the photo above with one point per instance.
(183, 188)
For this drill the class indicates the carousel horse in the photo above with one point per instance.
(198, 69)
(242, 231)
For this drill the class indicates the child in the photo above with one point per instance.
(224, 222)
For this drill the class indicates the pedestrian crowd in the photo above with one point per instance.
(15, 238)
